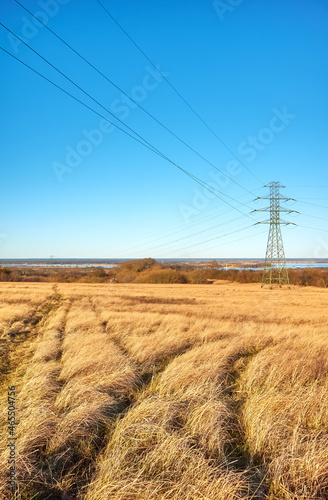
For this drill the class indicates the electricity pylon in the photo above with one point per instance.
(275, 267)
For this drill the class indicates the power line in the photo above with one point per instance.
(73, 97)
(188, 236)
(134, 101)
(239, 239)
(145, 143)
(76, 85)
(150, 146)
(221, 236)
(177, 232)
(312, 228)
(312, 204)
(197, 224)
(313, 216)
(234, 241)
(176, 226)
(177, 92)
(208, 187)
(185, 226)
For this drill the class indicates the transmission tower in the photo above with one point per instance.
(275, 268)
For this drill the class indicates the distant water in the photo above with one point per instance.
(57, 265)
(290, 265)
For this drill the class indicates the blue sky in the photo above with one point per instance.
(256, 71)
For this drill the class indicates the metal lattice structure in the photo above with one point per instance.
(275, 267)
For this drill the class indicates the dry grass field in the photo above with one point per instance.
(144, 392)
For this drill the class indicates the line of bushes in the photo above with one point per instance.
(302, 277)
(150, 271)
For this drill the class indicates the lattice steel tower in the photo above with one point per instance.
(275, 268)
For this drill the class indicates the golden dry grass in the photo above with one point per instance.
(166, 392)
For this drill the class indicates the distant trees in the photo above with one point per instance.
(5, 274)
(99, 272)
(301, 277)
(150, 271)
(160, 275)
(9, 274)
(213, 264)
(198, 277)
(309, 277)
(138, 265)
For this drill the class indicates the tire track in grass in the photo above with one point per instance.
(148, 408)
(94, 393)
(43, 486)
(285, 418)
(151, 404)
(86, 469)
(15, 348)
(205, 386)
(145, 378)
(22, 348)
(18, 336)
(238, 452)
(146, 373)
(153, 449)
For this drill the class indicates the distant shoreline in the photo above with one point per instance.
(224, 264)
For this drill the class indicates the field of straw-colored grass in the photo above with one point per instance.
(162, 392)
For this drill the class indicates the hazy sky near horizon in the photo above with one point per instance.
(73, 186)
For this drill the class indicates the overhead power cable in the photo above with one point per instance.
(221, 236)
(184, 237)
(181, 227)
(239, 239)
(141, 140)
(313, 216)
(204, 184)
(177, 92)
(73, 97)
(312, 204)
(233, 241)
(313, 228)
(242, 228)
(178, 227)
(197, 224)
(81, 89)
(133, 100)
(201, 242)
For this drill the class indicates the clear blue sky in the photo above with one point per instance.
(256, 72)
